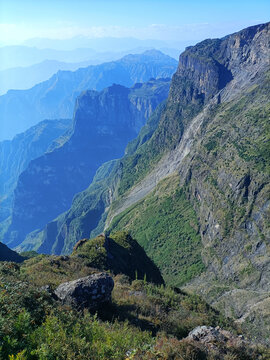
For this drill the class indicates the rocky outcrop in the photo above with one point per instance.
(218, 341)
(103, 124)
(56, 97)
(90, 292)
(209, 334)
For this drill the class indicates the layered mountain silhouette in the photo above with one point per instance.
(104, 122)
(192, 188)
(16, 154)
(22, 78)
(55, 98)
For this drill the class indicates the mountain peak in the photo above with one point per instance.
(149, 55)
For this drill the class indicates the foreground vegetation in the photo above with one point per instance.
(144, 321)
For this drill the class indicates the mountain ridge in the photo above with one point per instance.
(16, 154)
(103, 124)
(205, 153)
(55, 98)
(217, 107)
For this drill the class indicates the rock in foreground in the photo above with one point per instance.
(211, 337)
(88, 292)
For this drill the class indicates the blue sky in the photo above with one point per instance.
(157, 19)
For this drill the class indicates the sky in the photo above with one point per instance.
(168, 20)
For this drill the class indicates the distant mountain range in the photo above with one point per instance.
(23, 56)
(26, 74)
(99, 44)
(193, 188)
(55, 98)
(104, 122)
(22, 78)
(16, 154)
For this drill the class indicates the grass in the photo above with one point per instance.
(165, 225)
(144, 321)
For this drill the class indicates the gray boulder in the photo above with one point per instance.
(209, 335)
(89, 292)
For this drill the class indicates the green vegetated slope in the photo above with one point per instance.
(172, 120)
(209, 223)
(103, 124)
(225, 176)
(223, 190)
(85, 214)
(144, 321)
(120, 254)
(229, 182)
(166, 226)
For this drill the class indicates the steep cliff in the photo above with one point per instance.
(205, 153)
(56, 97)
(103, 124)
(16, 154)
(216, 135)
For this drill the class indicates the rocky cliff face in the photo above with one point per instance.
(213, 135)
(222, 156)
(103, 124)
(56, 97)
(207, 153)
(16, 154)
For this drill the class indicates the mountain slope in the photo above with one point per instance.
(16, 154)
(213, 136)
(55, 98)
(8, 255)
(223, 162)
(141, 320)
(103, 124)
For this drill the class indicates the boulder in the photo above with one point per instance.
(209, 336)
(89, 292)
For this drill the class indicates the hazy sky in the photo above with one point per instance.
(144, 19)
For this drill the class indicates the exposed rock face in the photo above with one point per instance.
(192, 88)
(16, 154)
(89, 292)
(222, 157)
(216, 338)
(207, 334)
(56, 97)
(214, 133)
(103, 124)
